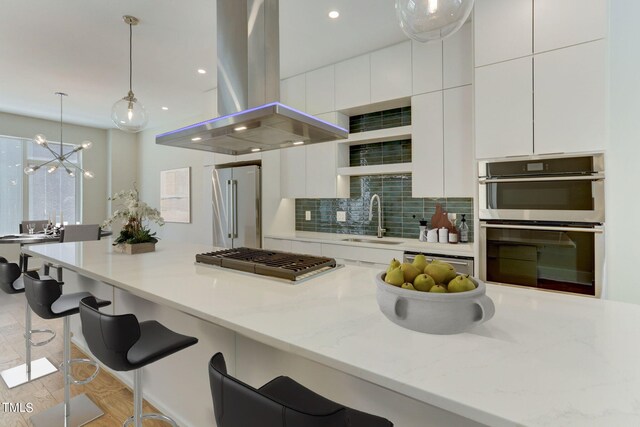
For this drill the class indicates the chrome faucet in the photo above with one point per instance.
(380, 229)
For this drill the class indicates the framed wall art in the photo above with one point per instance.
(175, 195)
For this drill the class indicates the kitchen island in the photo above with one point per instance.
(545, 359)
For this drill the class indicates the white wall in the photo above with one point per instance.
(623, 154)
(122, 164)
(154, 158)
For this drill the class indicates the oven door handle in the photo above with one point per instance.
(597, 229)
(596, 177)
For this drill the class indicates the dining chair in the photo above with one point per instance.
(79, 233)
(74, 233)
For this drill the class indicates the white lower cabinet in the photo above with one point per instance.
(277, 244)
(309, 248)
(343, 254)
(361, 255)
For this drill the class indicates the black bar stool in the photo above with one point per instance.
(124, 344)
(279, 403)
(11, 283)
(46, 299)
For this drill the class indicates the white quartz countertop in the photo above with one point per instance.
(545, 359)
(460, 249)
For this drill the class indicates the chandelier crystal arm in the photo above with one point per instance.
(60, 158)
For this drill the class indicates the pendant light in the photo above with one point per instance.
(59, 160)
(432, 20)
(128, 113)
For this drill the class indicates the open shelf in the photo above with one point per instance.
(381, 135)
(388, 169)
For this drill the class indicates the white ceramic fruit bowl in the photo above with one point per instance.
(434, 313)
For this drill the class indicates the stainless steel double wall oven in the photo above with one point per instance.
(542, 222)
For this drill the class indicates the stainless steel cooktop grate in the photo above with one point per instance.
(283, 265)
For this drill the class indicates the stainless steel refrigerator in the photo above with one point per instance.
(236, 207)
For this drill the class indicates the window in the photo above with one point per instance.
(10, 184)
(35, 196)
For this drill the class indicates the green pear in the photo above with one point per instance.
(461, 284)
(423, 282)
(393, 264)
(420, 262)
(441, 272)
(408, 286)
(410, 272)
(441, 289)
(395, 277)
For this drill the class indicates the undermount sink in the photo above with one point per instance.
(380, 242)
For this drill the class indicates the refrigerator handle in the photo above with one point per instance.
(234, 202)
(229, 209)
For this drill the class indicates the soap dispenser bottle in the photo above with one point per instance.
(464, 230)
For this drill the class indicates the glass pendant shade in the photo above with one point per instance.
(129, 115)
(432, 20)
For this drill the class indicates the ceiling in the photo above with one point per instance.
(81, 47)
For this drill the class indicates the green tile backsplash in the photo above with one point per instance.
(401, 211)
(380, 153)
(380, 120)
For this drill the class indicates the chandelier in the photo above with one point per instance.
(60, 160)
(128, 114)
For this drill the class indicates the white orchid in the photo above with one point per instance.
(132, 210)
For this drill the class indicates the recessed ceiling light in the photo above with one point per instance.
(165, 108)
(197, 138)
(334, 14)
(239, 128)
(298, 143)
(202, 71)
(255, 150)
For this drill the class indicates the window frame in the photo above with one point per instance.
(24, 181)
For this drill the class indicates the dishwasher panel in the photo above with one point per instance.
(462, 264)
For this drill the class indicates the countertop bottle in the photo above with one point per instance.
(464, 230)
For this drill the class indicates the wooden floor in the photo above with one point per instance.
(112, 396)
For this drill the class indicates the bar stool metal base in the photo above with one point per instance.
(82, 412)
(18, 375)
(153, 416)
(32, 369)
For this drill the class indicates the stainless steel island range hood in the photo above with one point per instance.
(251, 119)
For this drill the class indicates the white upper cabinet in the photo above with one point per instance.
(320, 90)
(391, 72)
(322, 170)
(504, 109)
(427, 150)
(427, 67)
(561, 23)
(293, 92)
(293, 172)
(353, 82)
(503, 29)
(457, 58)
(570, 99)
(459, 173)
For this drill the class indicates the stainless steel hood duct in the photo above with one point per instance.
(251, 119)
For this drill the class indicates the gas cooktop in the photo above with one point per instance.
(283, 265)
